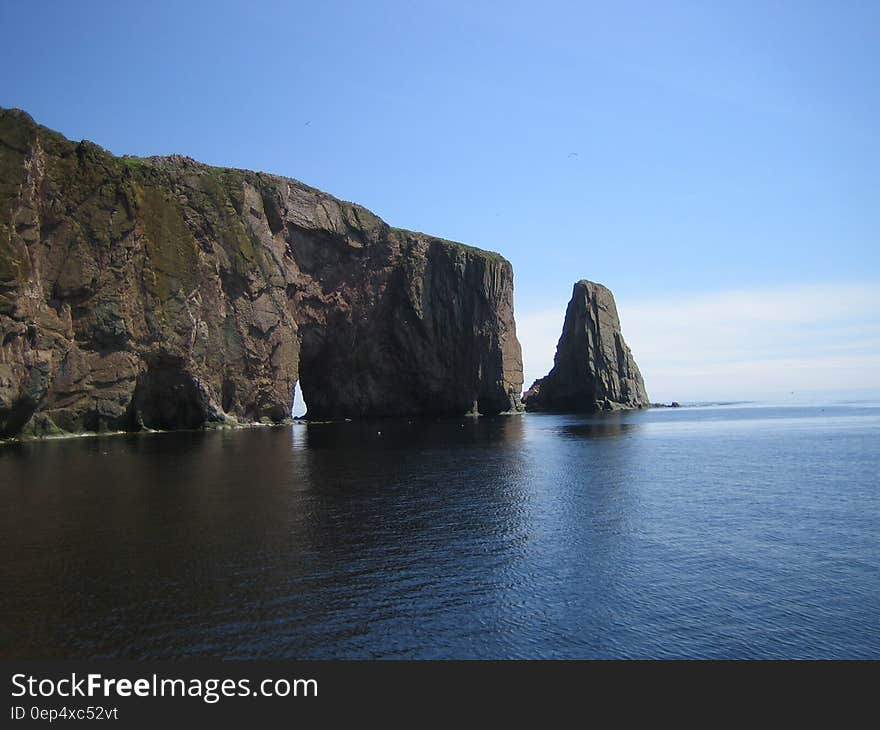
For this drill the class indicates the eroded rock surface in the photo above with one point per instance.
(164, 293)
(593, 369)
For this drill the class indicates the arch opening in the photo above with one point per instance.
(299, 407)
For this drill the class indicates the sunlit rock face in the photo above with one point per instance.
(164, 293)
(594, 369)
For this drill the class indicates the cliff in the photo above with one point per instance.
(593, 369)
(164, 293)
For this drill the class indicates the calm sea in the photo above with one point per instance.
(720, 532)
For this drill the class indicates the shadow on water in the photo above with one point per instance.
(595, 430)
(415, 433)
(393, 520)
(126, 545)
(312, 541)
(585, 426)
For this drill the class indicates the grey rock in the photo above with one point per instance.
(594, 369)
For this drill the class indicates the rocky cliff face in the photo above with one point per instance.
(163, 293)
(593, 369)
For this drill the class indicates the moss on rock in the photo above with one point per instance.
(170, 246)
(224, 189)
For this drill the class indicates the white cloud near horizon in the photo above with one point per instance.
(738, 344)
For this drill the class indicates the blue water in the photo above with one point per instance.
(716, 532)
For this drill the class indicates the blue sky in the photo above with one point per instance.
(693, 156)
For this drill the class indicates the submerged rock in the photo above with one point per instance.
(594, 369)
(164, 293)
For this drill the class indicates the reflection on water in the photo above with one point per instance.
(390, 433)
(599, 429)
(665, 533)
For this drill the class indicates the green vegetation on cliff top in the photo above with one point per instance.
(463, 248)
(104, 194)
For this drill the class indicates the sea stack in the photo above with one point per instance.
(162, 293)
(594, 369)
